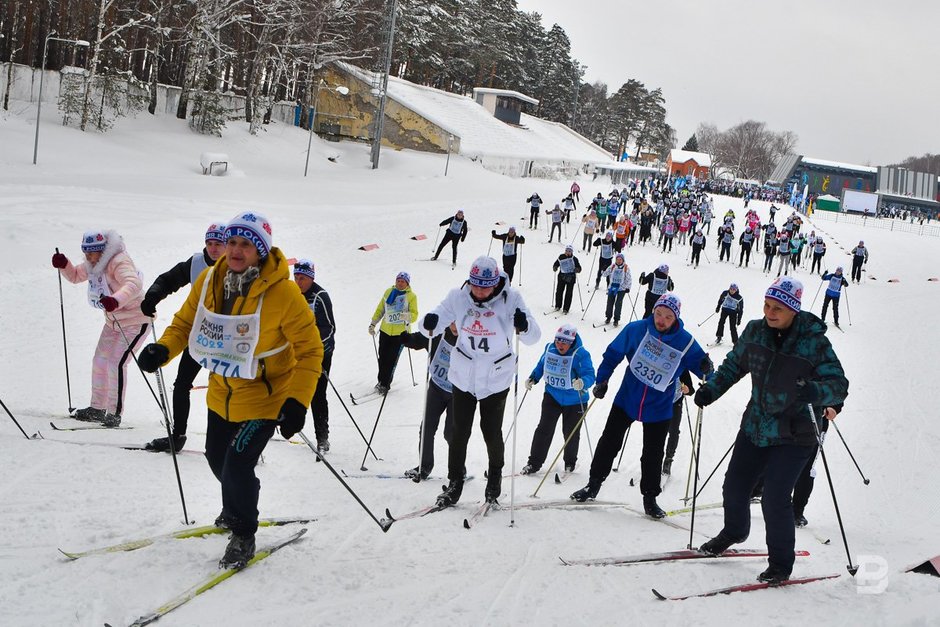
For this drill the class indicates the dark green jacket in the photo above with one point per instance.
(775, 361)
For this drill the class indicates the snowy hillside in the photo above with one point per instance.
(143, 179)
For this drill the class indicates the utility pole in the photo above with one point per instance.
(383, 95)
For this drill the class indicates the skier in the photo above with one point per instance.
(511, 242)
(675, 423)
(569, 373)
(819, 251)
(796, 250)
(590, 225)
(833, 293)
(438, 399)
(783, 251)
(731, 306)
(657, 349)
(600, 208)
(557, 216)
(746, 241)
(456, 230)
(646, 226)
(246, 322)
(397, 309)
(725, 239)
(859, 258)
(486, 309)
(668, 233)
(114, 286)
(183, 273)
(792, 364)
(575, 191)
(605, 254)
(621, 231)
(658, 283)
(698, 242)
(567, 266)
(319, 301)
(619, 281)
(535, 202)
(770, 249)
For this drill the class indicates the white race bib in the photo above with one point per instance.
(558, 370)
(440, 366)
(566, 265)
(509, 249)
(730, 303)
(656, 363)
(98, 288)
(456, 226)
(659, 286)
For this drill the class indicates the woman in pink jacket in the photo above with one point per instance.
(115, 287)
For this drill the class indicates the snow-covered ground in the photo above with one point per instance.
(143, 179)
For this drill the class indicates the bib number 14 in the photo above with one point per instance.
(482, 344)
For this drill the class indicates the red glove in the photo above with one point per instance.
(59, 261)
(109, 303)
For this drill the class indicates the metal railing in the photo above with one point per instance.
(891, 224)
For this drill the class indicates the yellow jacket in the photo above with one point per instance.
(389, 317)
(285, 317)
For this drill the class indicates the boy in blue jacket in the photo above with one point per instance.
(568, 371)
(658, 349)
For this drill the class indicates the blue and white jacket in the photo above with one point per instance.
(581, 368)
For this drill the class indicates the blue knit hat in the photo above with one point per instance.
(306, 268)
(787, 291)
(254, 227)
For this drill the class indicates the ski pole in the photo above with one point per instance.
(706, 319)
(512, 478)
(693, 457)
(490, 247)
(424, 416)
(554, 295)
(848, 309)
(383, 524)
(581, 298)
(698, 447)
(349, 413)
(414, 381)
(10, 414)
(865, 480)
(589, 303)
(375, 347)
(65, 348)
(822, 451)
(587, 435)
(562, 449)
(519, 253)
(142, 373)
(362, 466)
(591, 271)
(633, 309)
(717, 466)
(623, 447)
(434, 245)
(816, 296)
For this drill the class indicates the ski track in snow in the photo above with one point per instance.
(142, 179)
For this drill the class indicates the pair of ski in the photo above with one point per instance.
(365, 398)
(90, 427)
(211, 581)
(468, 523)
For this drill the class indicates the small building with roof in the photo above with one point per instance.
(505, 105)
(688, 163)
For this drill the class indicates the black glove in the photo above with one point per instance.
(291, 417)
(149, 307)
(600, 389)
(716, 309)
(806, 391)
(110, 303)
(520, 321)
(152, 357)
(706, 366)
(59, 260)
(430, 321)
(494, 232)
(704, 396)
(642, 276)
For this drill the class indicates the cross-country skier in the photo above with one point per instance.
(486, 310)
(183, 273)
(658, 349)
(619, 282)
(819, 251)
(658, 283)
(859, 258)
(456, 231)
(569, 374)
(731, 306)
(567, 266)
(396, 311)
(322, 307)
(535, 202)
(114, 287)
(511, 242)
(792, 365)
(833, 293)
(557, 216)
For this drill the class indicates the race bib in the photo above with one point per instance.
(558, 370)
(456, 226)
(730, 303)
(566, 265)
(659, 286)
(509, 249)
(835, 284)
(607, 250)
(440, 366)
(97, 288)
(656, 363)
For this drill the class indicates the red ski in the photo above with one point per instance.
(747, 587)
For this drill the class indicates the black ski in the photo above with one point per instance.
(669, 556)
(418, 513)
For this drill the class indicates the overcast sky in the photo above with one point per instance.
(857, 80)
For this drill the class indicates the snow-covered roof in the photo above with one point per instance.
(827, 197)
(628, 166)
(481, 134)
(836, 164)
(681, 156)
(505, 92)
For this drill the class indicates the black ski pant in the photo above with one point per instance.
(185, 375)
(542, 439)
(632, 236)
(587, 242)
(745, 259)
(835, 308)
(453, 238)
(389, 350)
(667, 241)
(651, 299)
(804, 484)
(651, 460)
(564, 288)
(602, 264)
(779, 466)
(696, 254)
(464, 406)
(534, 217)
(857, 268)
(817, 262)
(232, 450)
(768, 261)
(319, 406)
(675, 423)
(725, 251)
(509, 265)
(552, 232)
(732, 317)
(438, 402)
(614, 305)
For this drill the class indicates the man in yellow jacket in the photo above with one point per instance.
(246, 322)
(396, 311)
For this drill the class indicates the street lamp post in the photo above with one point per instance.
(81, 43)
(342, 90)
